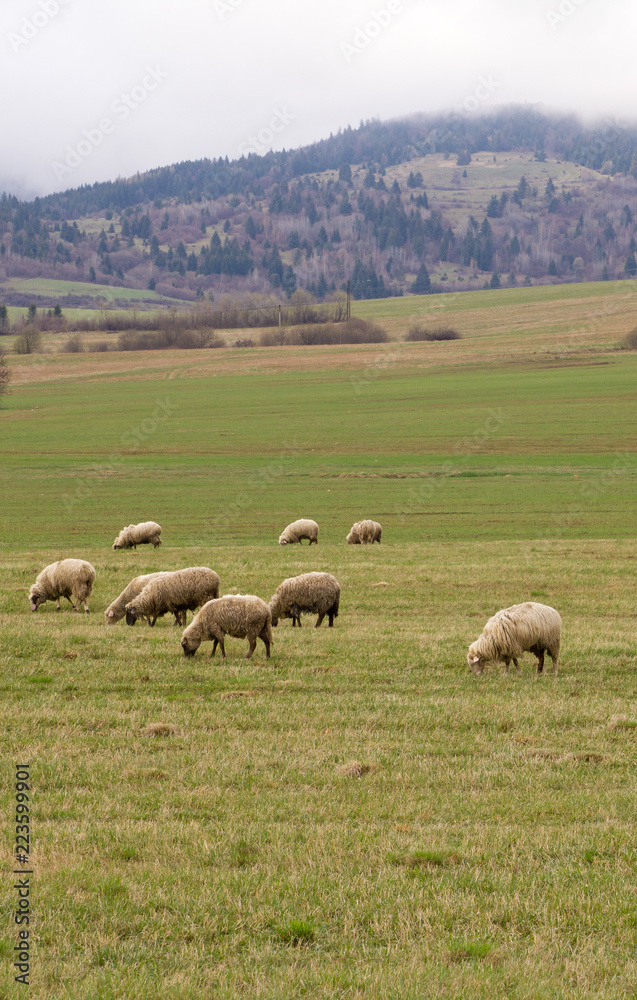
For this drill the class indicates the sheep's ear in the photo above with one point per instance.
(476, 659)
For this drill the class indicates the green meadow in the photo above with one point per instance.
(359, 816)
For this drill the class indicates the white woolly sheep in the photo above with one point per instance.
(533, 627)
(116, 611)
(70, 578)
(146, 533)
(364, 533)
(305, 528)
(309, 593)
(239, 615)
(177, 592)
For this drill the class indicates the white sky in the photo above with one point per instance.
(224, 69)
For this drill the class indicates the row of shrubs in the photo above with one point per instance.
(232, 317)
(353, 331)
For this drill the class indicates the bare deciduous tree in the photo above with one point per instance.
(5, 372)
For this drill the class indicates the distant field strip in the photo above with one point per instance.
(448, 453)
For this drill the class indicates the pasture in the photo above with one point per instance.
(359, 816)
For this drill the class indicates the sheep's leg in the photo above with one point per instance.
(86, 607)
(517, 665)
(266, 642)
(57, 606)
(507, 664)
(214, 647)
(540, 662)
(152, 621)
(298, 620)
(222, 648)
(554, 659)
(319, 620)
(330, 617)
(253, 645)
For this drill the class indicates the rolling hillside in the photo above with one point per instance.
(425, 205)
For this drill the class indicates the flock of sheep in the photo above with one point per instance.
(531, 627)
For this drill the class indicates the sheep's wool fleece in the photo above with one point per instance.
(135, 587)
(184, 588)
(63, 578)
(303, 528)
(312, 592)
(513, 630)
(237, 615)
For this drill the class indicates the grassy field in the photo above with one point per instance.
(358, 817)
(55, 287)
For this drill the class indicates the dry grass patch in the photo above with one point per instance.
(356, 769)
(159, 729)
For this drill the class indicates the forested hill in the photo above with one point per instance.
(512, 194)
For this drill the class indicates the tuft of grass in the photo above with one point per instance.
(470, 951)
(242, 854)
(622, 722)
(356, 769)
(418, 859)
(296, 932)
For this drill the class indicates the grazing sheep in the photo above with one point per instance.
(70, 578)
(237, 615)
(146, 533)
(309, 593)
(178, 592)
(364, 533)
(533, 627)
(116, 611)
(294, 532)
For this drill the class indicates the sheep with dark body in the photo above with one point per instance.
(295, 532)
(531, 627)
(239, 615)
(146, 533)
(364, 533)
(70, 578)
(117, 610)
(176, 592)
(309, 593)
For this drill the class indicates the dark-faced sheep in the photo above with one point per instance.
(531, 627)
(178, 592)
(146, 533)
(295, 532)
(70, 578)
(239, 615)
(309, 593)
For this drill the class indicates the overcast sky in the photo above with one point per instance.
(95, 89)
